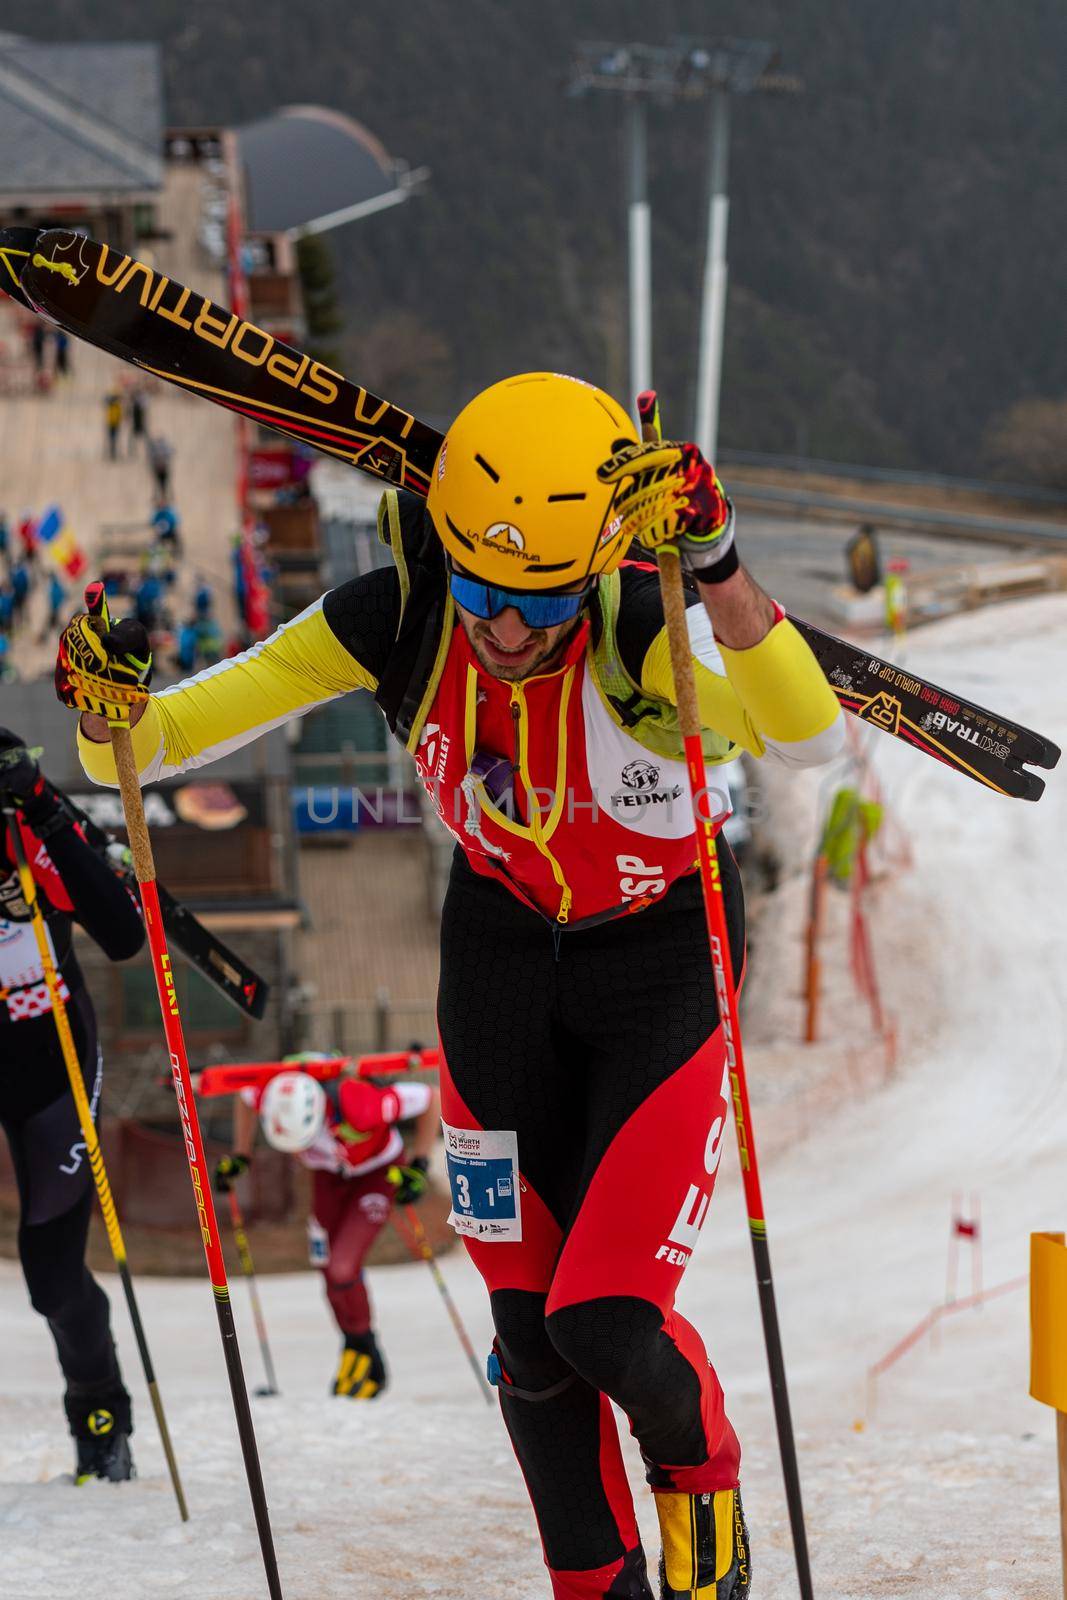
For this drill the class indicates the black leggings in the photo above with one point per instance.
(600, 1049)
(38, 1116)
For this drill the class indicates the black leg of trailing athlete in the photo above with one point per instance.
(56, 1199)
(37, 1111)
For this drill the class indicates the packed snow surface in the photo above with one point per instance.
(949, 1491)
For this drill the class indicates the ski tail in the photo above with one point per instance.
(980, 744)
(217, 962)
(229, 1077)
(223, 968)
(137, 313)
(16, 248)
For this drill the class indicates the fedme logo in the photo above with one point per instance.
(640, 775)
(641, 781)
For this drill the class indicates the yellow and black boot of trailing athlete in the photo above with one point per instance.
(705, 1546)
(101, 1421)
(361, 1371)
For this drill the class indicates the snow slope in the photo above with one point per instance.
(950, 1492)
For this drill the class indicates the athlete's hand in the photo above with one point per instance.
(24, 787)
(228, 1169)
(410, 1180)
(669, 494)
(102, 668)
(20, 776)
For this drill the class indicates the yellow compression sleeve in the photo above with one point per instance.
(771, 696)
(228, 705)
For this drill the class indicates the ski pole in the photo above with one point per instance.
(93, 1152)
(673, 593)
(114, 702)
(144, 867)
(414, 1236)
(248, 1268)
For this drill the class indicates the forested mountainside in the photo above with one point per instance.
(897, 237)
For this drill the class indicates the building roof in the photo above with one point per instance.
(306, 165)
(79, 119)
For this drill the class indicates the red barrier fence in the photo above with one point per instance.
(927, 1325)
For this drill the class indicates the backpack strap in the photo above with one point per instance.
(624, 696)
(652, 722)
(391, 535)
(407, 685)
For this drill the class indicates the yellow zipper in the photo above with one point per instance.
(536, 832)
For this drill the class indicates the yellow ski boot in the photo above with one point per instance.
(361, 1371)
(705, 1546)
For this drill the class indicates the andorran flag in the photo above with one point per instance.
(57, 541)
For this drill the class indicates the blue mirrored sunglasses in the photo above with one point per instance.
(536, 610)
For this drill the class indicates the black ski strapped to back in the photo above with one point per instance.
(117, 303)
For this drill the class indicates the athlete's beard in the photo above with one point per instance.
(551, 643)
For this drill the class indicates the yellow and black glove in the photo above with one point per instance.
(24, 788)
(410, 1180)
(669, 494)
(228, 1169)
(100, 667)
(21, 779)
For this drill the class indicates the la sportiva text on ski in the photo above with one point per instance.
(137, 313)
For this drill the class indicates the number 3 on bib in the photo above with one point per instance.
(483, 1175)
(637, 878)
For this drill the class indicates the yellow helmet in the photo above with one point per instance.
(514, 494)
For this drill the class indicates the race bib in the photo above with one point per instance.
(483, 1175)
(318, 1243)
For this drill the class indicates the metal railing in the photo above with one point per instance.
(1033, 492)
(357, 1026)
(916, 519)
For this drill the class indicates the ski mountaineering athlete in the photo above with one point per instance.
(345, 1132)
(584, 1080)
(37, 1110)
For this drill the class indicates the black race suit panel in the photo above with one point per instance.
(600, 1048)
(56, 1188)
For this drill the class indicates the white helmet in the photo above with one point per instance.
(292, 1111)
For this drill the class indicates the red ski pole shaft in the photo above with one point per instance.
(673, 594)
(726, 995)
(144, 867)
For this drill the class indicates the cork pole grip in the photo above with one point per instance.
(673, 594)
(132, 805)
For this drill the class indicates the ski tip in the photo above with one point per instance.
(1028, 786)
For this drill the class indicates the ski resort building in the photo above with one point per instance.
(81, 127)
